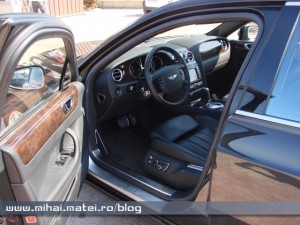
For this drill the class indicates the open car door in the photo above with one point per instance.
(41, 112)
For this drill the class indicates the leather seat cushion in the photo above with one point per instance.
(174, 128)
(185, 138)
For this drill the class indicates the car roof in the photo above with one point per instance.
(193, 5)
(244, 2)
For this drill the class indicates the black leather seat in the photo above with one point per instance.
(179, 150)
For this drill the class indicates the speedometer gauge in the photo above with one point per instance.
(135, 69)
(156, 63)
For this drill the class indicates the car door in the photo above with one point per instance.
(240, 42)
(258, 156)
(41, 113)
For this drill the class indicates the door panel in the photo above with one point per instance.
(41, 129)
(239, 51)
(32, 151)
(220, 82)
(40, 126)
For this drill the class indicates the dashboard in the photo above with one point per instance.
(121, 85)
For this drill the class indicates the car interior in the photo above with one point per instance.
(158, 105)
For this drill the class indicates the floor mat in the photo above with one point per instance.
(127, 148)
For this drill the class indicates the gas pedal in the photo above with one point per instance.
(126, 121)
(123, 122)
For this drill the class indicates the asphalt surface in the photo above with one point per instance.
(89, 193)
(99, 24)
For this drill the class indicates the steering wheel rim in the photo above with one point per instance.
(168, 79)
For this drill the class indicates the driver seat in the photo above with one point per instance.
(179, 148)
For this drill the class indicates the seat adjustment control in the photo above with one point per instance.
(158, 163)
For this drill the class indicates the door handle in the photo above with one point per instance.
(68, 145)
(247, 46)
(68, 105)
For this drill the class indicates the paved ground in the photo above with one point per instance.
(98, 24)
(89, 193)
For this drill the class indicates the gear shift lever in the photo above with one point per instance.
(206, 92)
(210, 104)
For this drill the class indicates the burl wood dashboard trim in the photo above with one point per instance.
(32, 133)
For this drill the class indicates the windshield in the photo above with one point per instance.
(190, 29)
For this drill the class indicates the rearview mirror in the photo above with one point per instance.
(28, 78)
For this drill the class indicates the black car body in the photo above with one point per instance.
(149, 5)
(180, 117)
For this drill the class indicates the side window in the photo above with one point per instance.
(284, 101)
(36, 77)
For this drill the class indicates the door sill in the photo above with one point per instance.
(132, 192)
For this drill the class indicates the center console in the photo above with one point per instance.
(195, 80)
(199, 95)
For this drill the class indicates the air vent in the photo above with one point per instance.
(224, 45)
(190, 56)
(117, 75)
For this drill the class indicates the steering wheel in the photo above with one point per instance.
(170, 84)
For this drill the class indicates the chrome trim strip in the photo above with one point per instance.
(195, 167)
(247, 46)
(268, 118)
(66, 109)
(292, 4)
(120, 184)
(102, 143)
(150, 186)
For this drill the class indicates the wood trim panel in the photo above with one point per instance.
(31, 134)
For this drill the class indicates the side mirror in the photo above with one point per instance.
(252, 32)
(28, 78)
(248, 32)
